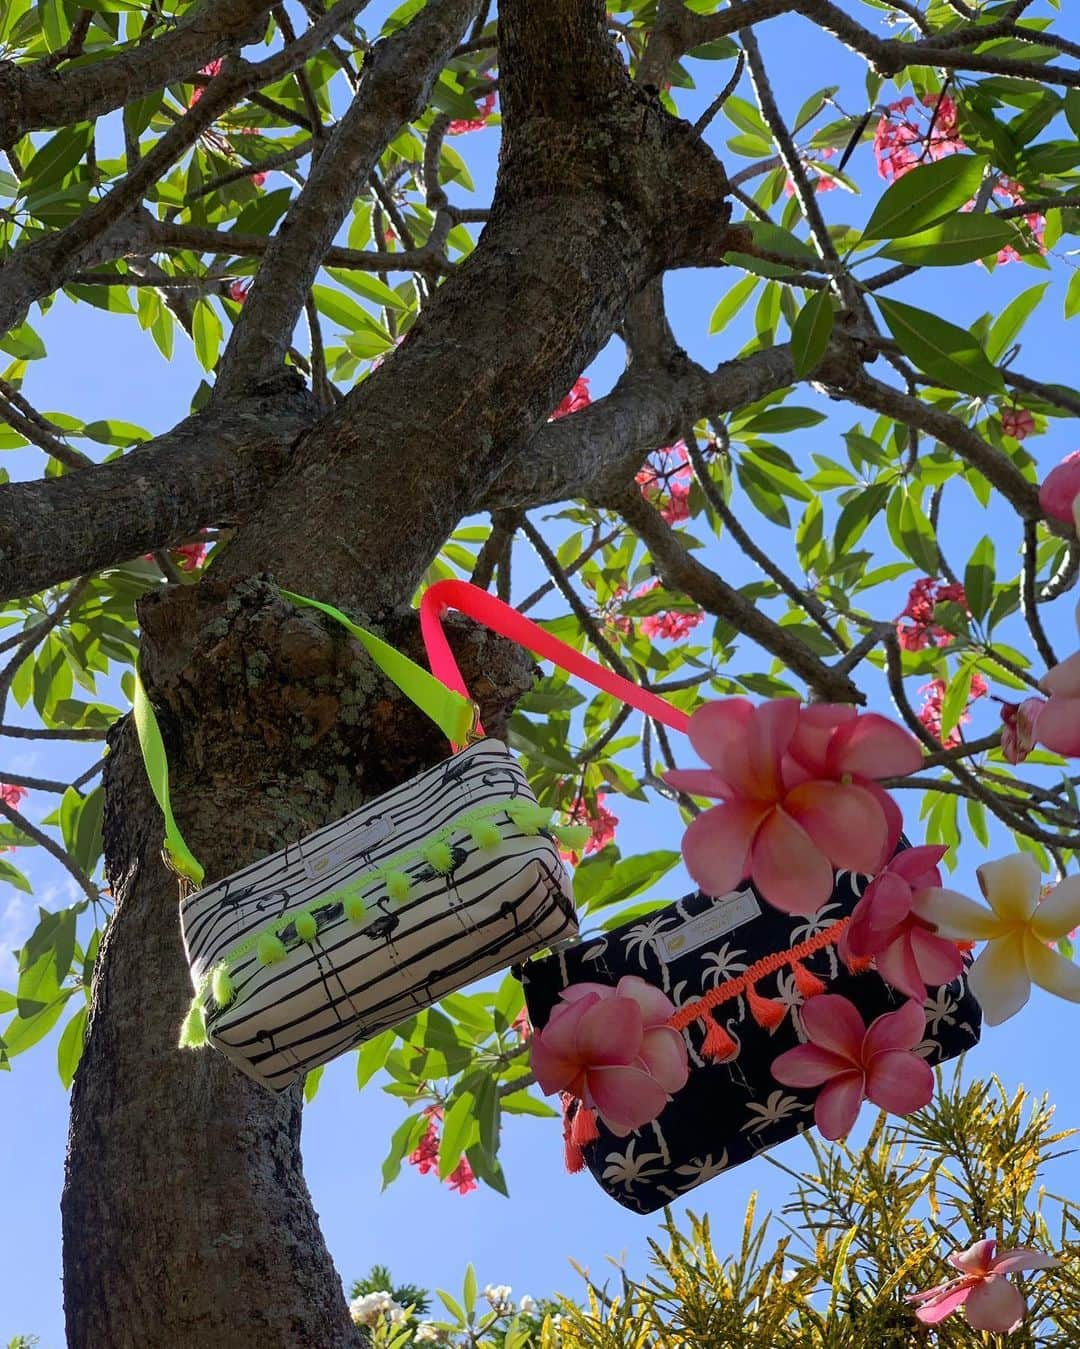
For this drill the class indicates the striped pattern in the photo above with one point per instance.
(498, 905)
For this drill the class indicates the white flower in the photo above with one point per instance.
(366, 1310)
(427, 1332)
(527, 1305)
(499, 1297)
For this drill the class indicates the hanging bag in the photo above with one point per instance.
(735, 974)
(739, 973)
(452, 876)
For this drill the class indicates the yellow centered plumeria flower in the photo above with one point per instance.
(1016, 929)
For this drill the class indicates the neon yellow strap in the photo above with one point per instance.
(454, 715)
(179, 854)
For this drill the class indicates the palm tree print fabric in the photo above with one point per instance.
(728, 1112)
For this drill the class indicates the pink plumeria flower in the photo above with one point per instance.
(613, 1049)
(1018, 721)
(1059, 496)
(852, 1062)
(907, 952)
(1017, 422)
(989, 1301)
(798, 797)
(575, 400)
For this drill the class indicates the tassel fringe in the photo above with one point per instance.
(440, 856)
(528, 817)
(307, 927)
(583, 1130)
(485, 834)
(355, 908)
(222, 986)
(398, 885)
(718, 1046)
(573, 837)
(767, 1012)
(271, 948)
(808, 984)
(193, 1031)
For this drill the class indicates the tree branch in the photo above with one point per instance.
(681, 571)
(33, 98)
(394, 87)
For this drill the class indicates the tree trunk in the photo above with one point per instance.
(186, 1173)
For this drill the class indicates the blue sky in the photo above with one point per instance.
(103, 365)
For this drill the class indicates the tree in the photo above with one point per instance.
(186, 1218)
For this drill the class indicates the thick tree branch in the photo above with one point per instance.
(394, 87)
(208, 469)
(35, 97)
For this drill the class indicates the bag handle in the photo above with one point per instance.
(501, 618)
(451, 710)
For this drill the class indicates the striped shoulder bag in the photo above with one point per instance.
(452, 876)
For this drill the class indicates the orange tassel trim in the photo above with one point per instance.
(583, 1131)
(743, 986)
(718, 1045)
(767, 1012)
(574, 1157)
(806, 981)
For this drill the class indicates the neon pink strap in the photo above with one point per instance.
(499, 617)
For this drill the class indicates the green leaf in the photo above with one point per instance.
(405, 1138)
(370, 287)
(955, 240)
(522, 1103)
(1006, 327)
(956, 698)
(979, 578)
(206, 332)
(311, 1082)
(13, 876)
(57, 157)
(628, 878)
(23, 343)
(946, 353)
(460, 1130)
(1072, 296)
(917, 535)
(469, 1290)
(38, 985)
(810, 333)
(924, 196)
(69, 1050)
(857, 514)
(24, 1032)
(732, 302)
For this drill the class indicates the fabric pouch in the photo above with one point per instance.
(738, 971)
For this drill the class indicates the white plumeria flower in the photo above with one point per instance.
(427, 1332)
(527, 1305)
(367, 1310)
(1017, 929)
(499, 1297)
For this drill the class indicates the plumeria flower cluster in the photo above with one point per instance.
(673, 625)
(11, 795)
(211, 137)
(498, 1295)
(460, 125)
(910, 133)
(372, 1308)
(922, 600)
(933, 706)
(798, 794)
(575, 400)
(665, 482)
(425, 1156)
(601, 821)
